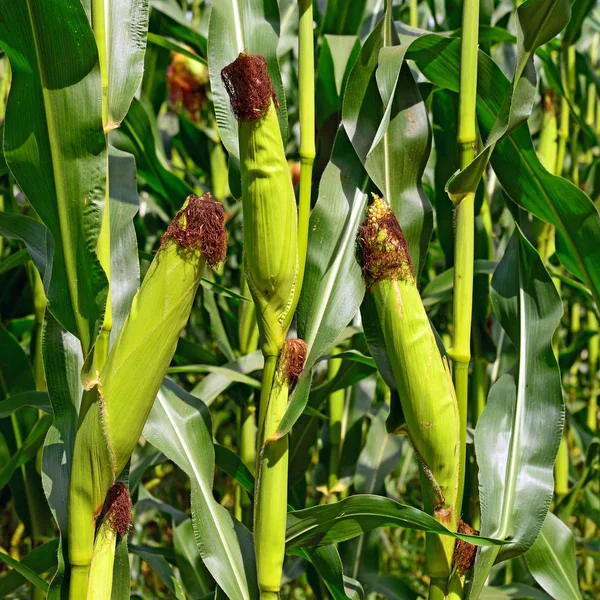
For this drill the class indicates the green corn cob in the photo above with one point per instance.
(270, 219)
(421, 375)
(114, 410)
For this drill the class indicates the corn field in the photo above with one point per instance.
(299, 299)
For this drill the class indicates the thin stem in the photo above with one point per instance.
(306, 106)
(593, 346)
(414, 15)
(590, 113)
(465, 229)
(336, 413)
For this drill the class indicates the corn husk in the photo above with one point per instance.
(269, 204)
(114, 410)
(421, 374)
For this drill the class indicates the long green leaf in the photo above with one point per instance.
(328, 564)
(127, 30)
(332, 523)
(551, 560)
(39, 560)
(56, 150)
(37, 400)
(24, 571)
(138, 136)
(35, 236)
(519, 431)
(217, 382)
(175, 23)
(62, 363)
(235, 26)
(124, 264)
(388, 124)
(179, 426)
(550, 198)
(538, 21)
(333, 284)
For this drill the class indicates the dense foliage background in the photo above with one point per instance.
(386, 118)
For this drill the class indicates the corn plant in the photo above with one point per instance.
(299, 299)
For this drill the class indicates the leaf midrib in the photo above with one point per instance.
(559, 565)
(512, 467)
(209, 499)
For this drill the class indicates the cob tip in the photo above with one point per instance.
(249, 86)
(118, 513)
(200, 225)
(382, 246)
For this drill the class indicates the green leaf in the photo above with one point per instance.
(174, 46)
(579, 12)
(143, 142)
(27, 450)
(195, 576)
(331, 523)
(236, 26)
(336, 57)
(328, 564)
(16, 259)
(551, 560)
(233, 376)
(37, 400)
(379, 457)
(515, 591)
(23, 570)
(444, 106)
(234, 466)
(56, 150)
(161, 567)
(124, 265)
(62, 363)
(440, 287)
(39, 560)
(15, 372)
(179, 426)
(127, 28)
(388, 125)
(35, 236)
(217, 382)
(342, 17)
(519, 431)
(174, 23)
(538, 21)
(550, 198)
(333, 284)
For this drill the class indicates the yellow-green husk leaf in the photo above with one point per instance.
(269, 204)
(101, 570)
(421, 374)
(114, 410)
